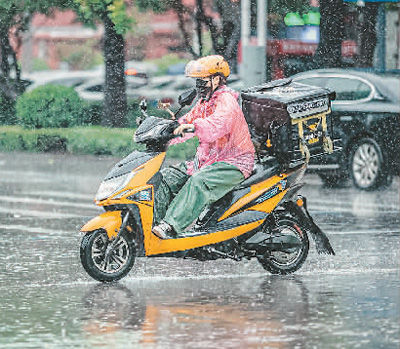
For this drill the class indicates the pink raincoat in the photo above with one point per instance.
(222, 131)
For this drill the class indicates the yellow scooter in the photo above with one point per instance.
(262, 218)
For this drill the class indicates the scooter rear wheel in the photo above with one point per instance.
(103, 263)
(278, 262)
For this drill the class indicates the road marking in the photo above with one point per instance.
(39, 214)
(362, 232)
(26, 200)
(62, 194)
(44, 174)
(353, 205)
(35, 230)
(358, 212)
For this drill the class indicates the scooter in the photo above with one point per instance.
(262, 218)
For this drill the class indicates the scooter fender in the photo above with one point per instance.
(109, 221)
(321, 240)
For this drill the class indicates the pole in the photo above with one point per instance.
(381, 34)
(253, 67)
(261, 22)
(262, 36)
(245, 25)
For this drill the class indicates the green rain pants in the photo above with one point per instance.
(191, 194)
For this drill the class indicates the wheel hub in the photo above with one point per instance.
(110, 257)
(366, 165)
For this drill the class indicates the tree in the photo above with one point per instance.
(15, 16)
(329, 51)
(117, 21)
(367, 37)
(224, 37)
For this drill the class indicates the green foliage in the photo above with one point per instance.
(39, 64)
(82, 140)
(83, 58)
(183, 151)
(158, 6)
(164, 62)
(100, 141)
(78, 140)
(17, 13)
(7, 110)
(116, 10)
(49, 106)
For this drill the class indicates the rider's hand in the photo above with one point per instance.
(180, 130)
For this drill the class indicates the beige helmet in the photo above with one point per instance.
(207, 66)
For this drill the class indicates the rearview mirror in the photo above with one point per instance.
(187, 97)
(143, 105)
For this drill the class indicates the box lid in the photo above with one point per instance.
(299, 99)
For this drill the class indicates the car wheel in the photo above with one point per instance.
(367, 168)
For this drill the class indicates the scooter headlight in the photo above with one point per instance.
(112, 185)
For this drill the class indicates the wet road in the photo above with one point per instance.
(351, 300)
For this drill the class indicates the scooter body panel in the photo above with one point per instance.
(154, 245)
(137, 183)
(109, 221)
(272, 187)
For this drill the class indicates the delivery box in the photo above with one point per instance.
(288, 120)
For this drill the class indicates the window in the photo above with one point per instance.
(348, 89)
(320, 82)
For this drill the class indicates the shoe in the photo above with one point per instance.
(163, 230)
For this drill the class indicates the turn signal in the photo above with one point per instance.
(300, 202)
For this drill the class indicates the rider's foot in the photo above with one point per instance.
(163, 230)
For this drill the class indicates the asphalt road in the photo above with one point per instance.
(351, 300)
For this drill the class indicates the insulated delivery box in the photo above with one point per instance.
(289, 120)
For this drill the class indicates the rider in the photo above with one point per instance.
(225, 155)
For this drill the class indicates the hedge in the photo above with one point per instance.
(50, 106)
(94, 140)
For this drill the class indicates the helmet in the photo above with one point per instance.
(207, 66)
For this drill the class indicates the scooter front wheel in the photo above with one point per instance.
(287, 262)
(106, 260)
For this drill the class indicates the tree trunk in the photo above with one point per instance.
(115, 105)
(367, 39)
(230, 14)
(329, 51)
(180, 10)
(7, 87)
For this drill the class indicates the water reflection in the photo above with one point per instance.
(267, 316)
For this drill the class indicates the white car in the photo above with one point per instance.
(165, 88)
(93, 90)
(55, 77)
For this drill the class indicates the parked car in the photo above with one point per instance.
(165, 88)
(93, 89)
(366, 116)
(58, 77)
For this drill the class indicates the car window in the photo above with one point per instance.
(348, 89)
(320, 82)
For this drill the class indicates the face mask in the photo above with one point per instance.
(202, 89)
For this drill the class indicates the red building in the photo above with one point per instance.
(52, 38)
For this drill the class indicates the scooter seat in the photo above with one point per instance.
(260, 173)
